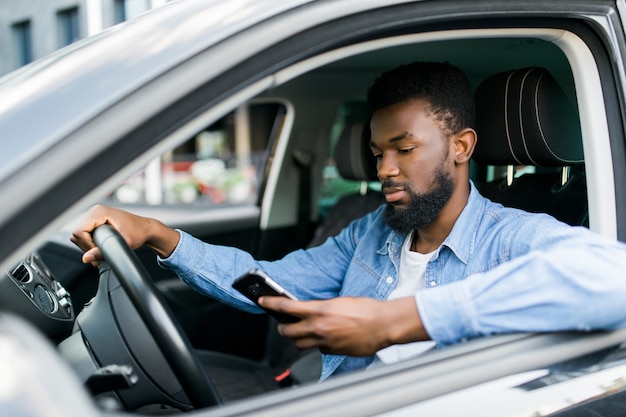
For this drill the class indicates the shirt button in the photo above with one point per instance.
(389, 280)
(433, 284)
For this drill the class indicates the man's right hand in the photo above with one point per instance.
(135, 230)
(355, 326)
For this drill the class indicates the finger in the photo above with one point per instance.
(295, 330)
(310, 343)
(304, 329)
(282, 305)
(81, 237)
(298, 333)
(304, 343)
(92, 256)
(83, 240)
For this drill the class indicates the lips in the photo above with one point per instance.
(393, 194)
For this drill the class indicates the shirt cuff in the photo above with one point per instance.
(447, 313)
(179, 254)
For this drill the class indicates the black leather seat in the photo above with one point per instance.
(524, 118)
(354, 161)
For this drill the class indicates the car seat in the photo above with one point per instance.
(525, 118)
(354, 161)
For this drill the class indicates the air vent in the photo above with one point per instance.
(21, 274)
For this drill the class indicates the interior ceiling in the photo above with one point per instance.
(477, 57)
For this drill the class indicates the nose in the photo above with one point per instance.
(387, 167)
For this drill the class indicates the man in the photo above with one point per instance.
(437, 262)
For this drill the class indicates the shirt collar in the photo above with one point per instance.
(463, 234)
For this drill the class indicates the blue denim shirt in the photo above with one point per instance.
(500, 270)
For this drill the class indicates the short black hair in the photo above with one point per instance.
(445, 86)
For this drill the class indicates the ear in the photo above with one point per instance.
(463, 143)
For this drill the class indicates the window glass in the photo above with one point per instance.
(119, 11)
(68, 26)
(223, 164)
(23, 42)
(333, 185)
(510, 172)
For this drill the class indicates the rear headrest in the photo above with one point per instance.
(523, 117)
(353, 155)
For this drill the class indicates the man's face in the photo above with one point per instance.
(413, 164)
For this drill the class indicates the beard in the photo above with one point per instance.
(423, 208)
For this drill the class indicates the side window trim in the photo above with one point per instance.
(276, 159)
(595, 134)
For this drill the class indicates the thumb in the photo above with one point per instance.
(92, 256)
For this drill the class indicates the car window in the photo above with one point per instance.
(223, 164)
(333, 186)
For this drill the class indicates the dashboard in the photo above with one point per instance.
(31, 290)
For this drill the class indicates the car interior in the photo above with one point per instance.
(307, 172)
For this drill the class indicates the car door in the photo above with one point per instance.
(211, 187)
(288, 45)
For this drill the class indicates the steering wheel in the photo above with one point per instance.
(158, 318)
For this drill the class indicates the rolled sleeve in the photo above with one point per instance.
(210, 269)
(180, 255)
(447, 313)
(538, 292)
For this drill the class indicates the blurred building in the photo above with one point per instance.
(31, 29)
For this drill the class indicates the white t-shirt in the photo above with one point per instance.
(410, 279)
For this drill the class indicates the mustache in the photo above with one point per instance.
(391, 184)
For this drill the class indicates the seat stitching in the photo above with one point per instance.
(521, 124)
(506, 116)
(543, 138)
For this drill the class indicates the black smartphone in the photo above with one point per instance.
(255, 283)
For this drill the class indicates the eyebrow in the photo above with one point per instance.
(394, 139)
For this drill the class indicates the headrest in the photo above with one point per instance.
(353, 155)
(523, 117)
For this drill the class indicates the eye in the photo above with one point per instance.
(406, 150)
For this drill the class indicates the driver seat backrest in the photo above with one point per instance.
(354, 161)
(524, 118)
